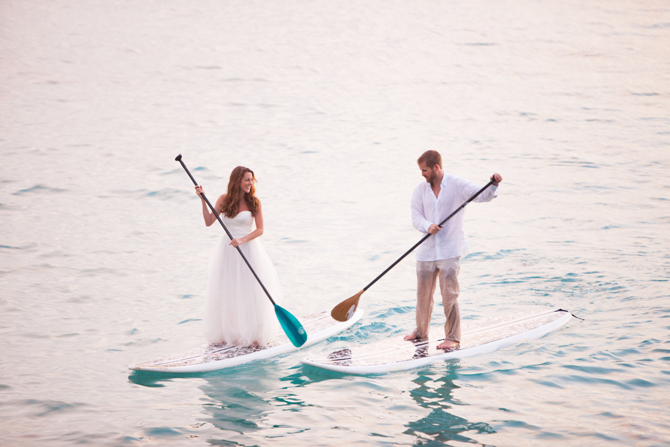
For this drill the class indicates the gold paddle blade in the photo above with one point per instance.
(347, 308)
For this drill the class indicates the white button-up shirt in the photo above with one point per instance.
(427, 209)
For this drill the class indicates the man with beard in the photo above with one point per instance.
(432, 201)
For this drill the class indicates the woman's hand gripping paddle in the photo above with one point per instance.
(347, 308)
(290, 324)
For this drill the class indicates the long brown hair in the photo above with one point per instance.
(231, 203)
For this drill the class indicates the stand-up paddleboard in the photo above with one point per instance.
(213, 357)
(478, 337)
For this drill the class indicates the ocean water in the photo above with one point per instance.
(103, 254)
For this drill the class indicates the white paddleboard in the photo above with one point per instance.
(213, 357)
(478, 337)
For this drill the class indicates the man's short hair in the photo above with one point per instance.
(430, 158)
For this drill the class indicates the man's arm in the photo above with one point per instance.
(418, 217)
(467, 189)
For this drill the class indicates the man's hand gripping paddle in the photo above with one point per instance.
(347, 308)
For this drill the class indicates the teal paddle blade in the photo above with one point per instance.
(292, 327)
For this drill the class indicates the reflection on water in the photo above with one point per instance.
(237, 404)
(237, 408)
(230, 408)
(440, 425)
(233, 408)
(155, 379)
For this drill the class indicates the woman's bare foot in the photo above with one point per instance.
(448, 344)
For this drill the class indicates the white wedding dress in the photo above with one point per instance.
(237, 310)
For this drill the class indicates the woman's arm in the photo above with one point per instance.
(209, 217)
(254, 234)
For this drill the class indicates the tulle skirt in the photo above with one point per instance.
(237, 310)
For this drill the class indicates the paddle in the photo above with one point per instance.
(290, 324)
(346, 309)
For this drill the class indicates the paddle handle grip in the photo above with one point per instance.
(178, 158)
(423, 239)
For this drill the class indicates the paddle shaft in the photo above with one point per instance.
(226, 229)
(423, 239)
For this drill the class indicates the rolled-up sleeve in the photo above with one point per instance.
(467, 190)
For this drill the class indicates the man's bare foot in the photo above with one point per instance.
(413, 337)
(448, 344)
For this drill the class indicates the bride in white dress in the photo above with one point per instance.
(237, 310)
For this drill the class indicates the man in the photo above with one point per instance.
(440, 255)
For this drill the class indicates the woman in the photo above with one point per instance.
(237, 310)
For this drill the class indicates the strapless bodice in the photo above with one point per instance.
(239, 225)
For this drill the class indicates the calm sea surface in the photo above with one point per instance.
(103, 253)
